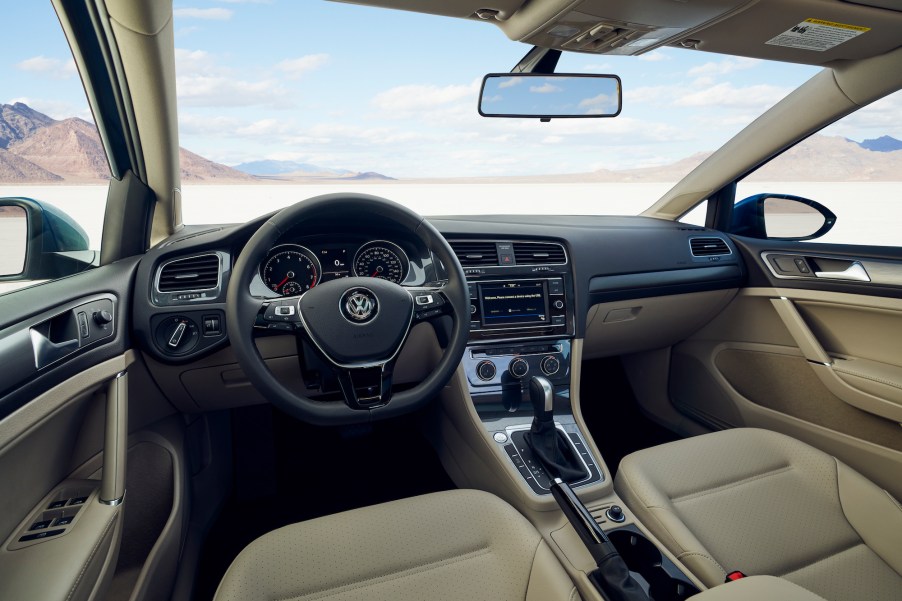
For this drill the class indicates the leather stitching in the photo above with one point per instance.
(703, 556)
(84, 568)
(433, 565)
(870, 377)
(724, 487)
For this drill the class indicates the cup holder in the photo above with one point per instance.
(665, 581)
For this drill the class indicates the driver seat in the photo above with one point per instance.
(458, 545)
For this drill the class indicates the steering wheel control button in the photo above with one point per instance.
(500, 437)
(359, 305)
(615, 514)
(424, 300)
(486, 370)
(550, 365)
(518, 367)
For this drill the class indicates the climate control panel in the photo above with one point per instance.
(501, 365)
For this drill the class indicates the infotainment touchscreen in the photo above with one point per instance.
(513, 302)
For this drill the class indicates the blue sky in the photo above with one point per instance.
(346, 86)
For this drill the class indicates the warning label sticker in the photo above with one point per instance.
(818, 35)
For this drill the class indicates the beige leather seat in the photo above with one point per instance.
(460, 544)
(764, 503)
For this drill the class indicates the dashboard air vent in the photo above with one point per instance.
(539, 253)
(708, 247)
(192, 273)
(475, 253)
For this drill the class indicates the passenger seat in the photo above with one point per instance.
(766, 504)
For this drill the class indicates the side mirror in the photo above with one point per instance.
(550, 96)
(781, 217)
(40, 242)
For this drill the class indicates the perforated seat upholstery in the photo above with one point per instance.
(764, 503)
(462, 544)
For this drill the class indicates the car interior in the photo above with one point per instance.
(343, 399)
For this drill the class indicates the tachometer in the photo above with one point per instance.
(290, 269)
(381, 259)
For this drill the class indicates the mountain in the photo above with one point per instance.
(831, 159)
(882, 144)
(15, 169)
(271, 167)
(35, 148)
(18, 121)
(69, 148)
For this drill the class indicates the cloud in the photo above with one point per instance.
(552, 139)
(726, 95)
(207, 14)
(417, 96)
(57, 109)
(509, 83)
(50, 67)
(545, 89)
(654, 56)
(295, 67)
(723, 67)
(222, 91)
(194, 62)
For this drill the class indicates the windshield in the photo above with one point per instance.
(307, 98)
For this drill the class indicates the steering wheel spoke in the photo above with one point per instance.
(366, 387)
(430, 301)
(279, 314)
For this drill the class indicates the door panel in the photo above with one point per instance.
(816, 358)
(61, 534)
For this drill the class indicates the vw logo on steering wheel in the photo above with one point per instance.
(359, 305)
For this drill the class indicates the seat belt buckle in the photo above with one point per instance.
(733, 576)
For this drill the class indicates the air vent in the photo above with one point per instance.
(539, 253)
(708, 247)
(474, 253)
(192, 273)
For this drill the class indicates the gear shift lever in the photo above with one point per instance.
(549, 445)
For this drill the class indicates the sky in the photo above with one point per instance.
(351, 87)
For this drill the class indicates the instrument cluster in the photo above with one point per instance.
(292, 269)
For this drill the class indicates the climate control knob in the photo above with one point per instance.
(518, 367)
(550, 365)
(486, 370)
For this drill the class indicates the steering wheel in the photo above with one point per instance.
(358, 325)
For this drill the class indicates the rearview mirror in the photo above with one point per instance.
(781, 217)
(547, 96)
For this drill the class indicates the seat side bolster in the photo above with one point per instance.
(874, 514)
(548, 581)
(660, 517)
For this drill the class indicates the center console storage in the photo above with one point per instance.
(664, 581)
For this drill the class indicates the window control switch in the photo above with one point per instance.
(78, 501)
(58, 504)
(64, 521)
(42, 525)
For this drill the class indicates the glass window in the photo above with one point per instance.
(50, 152)
(853, 168)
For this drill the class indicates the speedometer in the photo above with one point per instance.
(290, 270)
(381, 259)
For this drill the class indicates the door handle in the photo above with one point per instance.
(854, 272)
(46, 351)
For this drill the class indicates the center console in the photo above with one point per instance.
(521, 325)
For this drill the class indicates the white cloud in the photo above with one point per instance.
(654, 56)
(194, 62)
(51, 67)
(509, 83)
(726, 95)
(295, 67)
(222, 91)
(545, 89)
(723, 67)
(57, 109)
(552, 139)
(416, 96)
(207, 14)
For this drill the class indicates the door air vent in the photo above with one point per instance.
(191, 273)
(708, 247)
(539, 253)
(475, 253)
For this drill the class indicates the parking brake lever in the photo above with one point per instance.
(612, 576)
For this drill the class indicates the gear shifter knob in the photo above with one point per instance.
(541, 394)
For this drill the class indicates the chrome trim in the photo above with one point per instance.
(309, 254)
(725, 243)
(765, 255)
(855, 272)
(112, 502)
(563, 247)
(405, 266)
